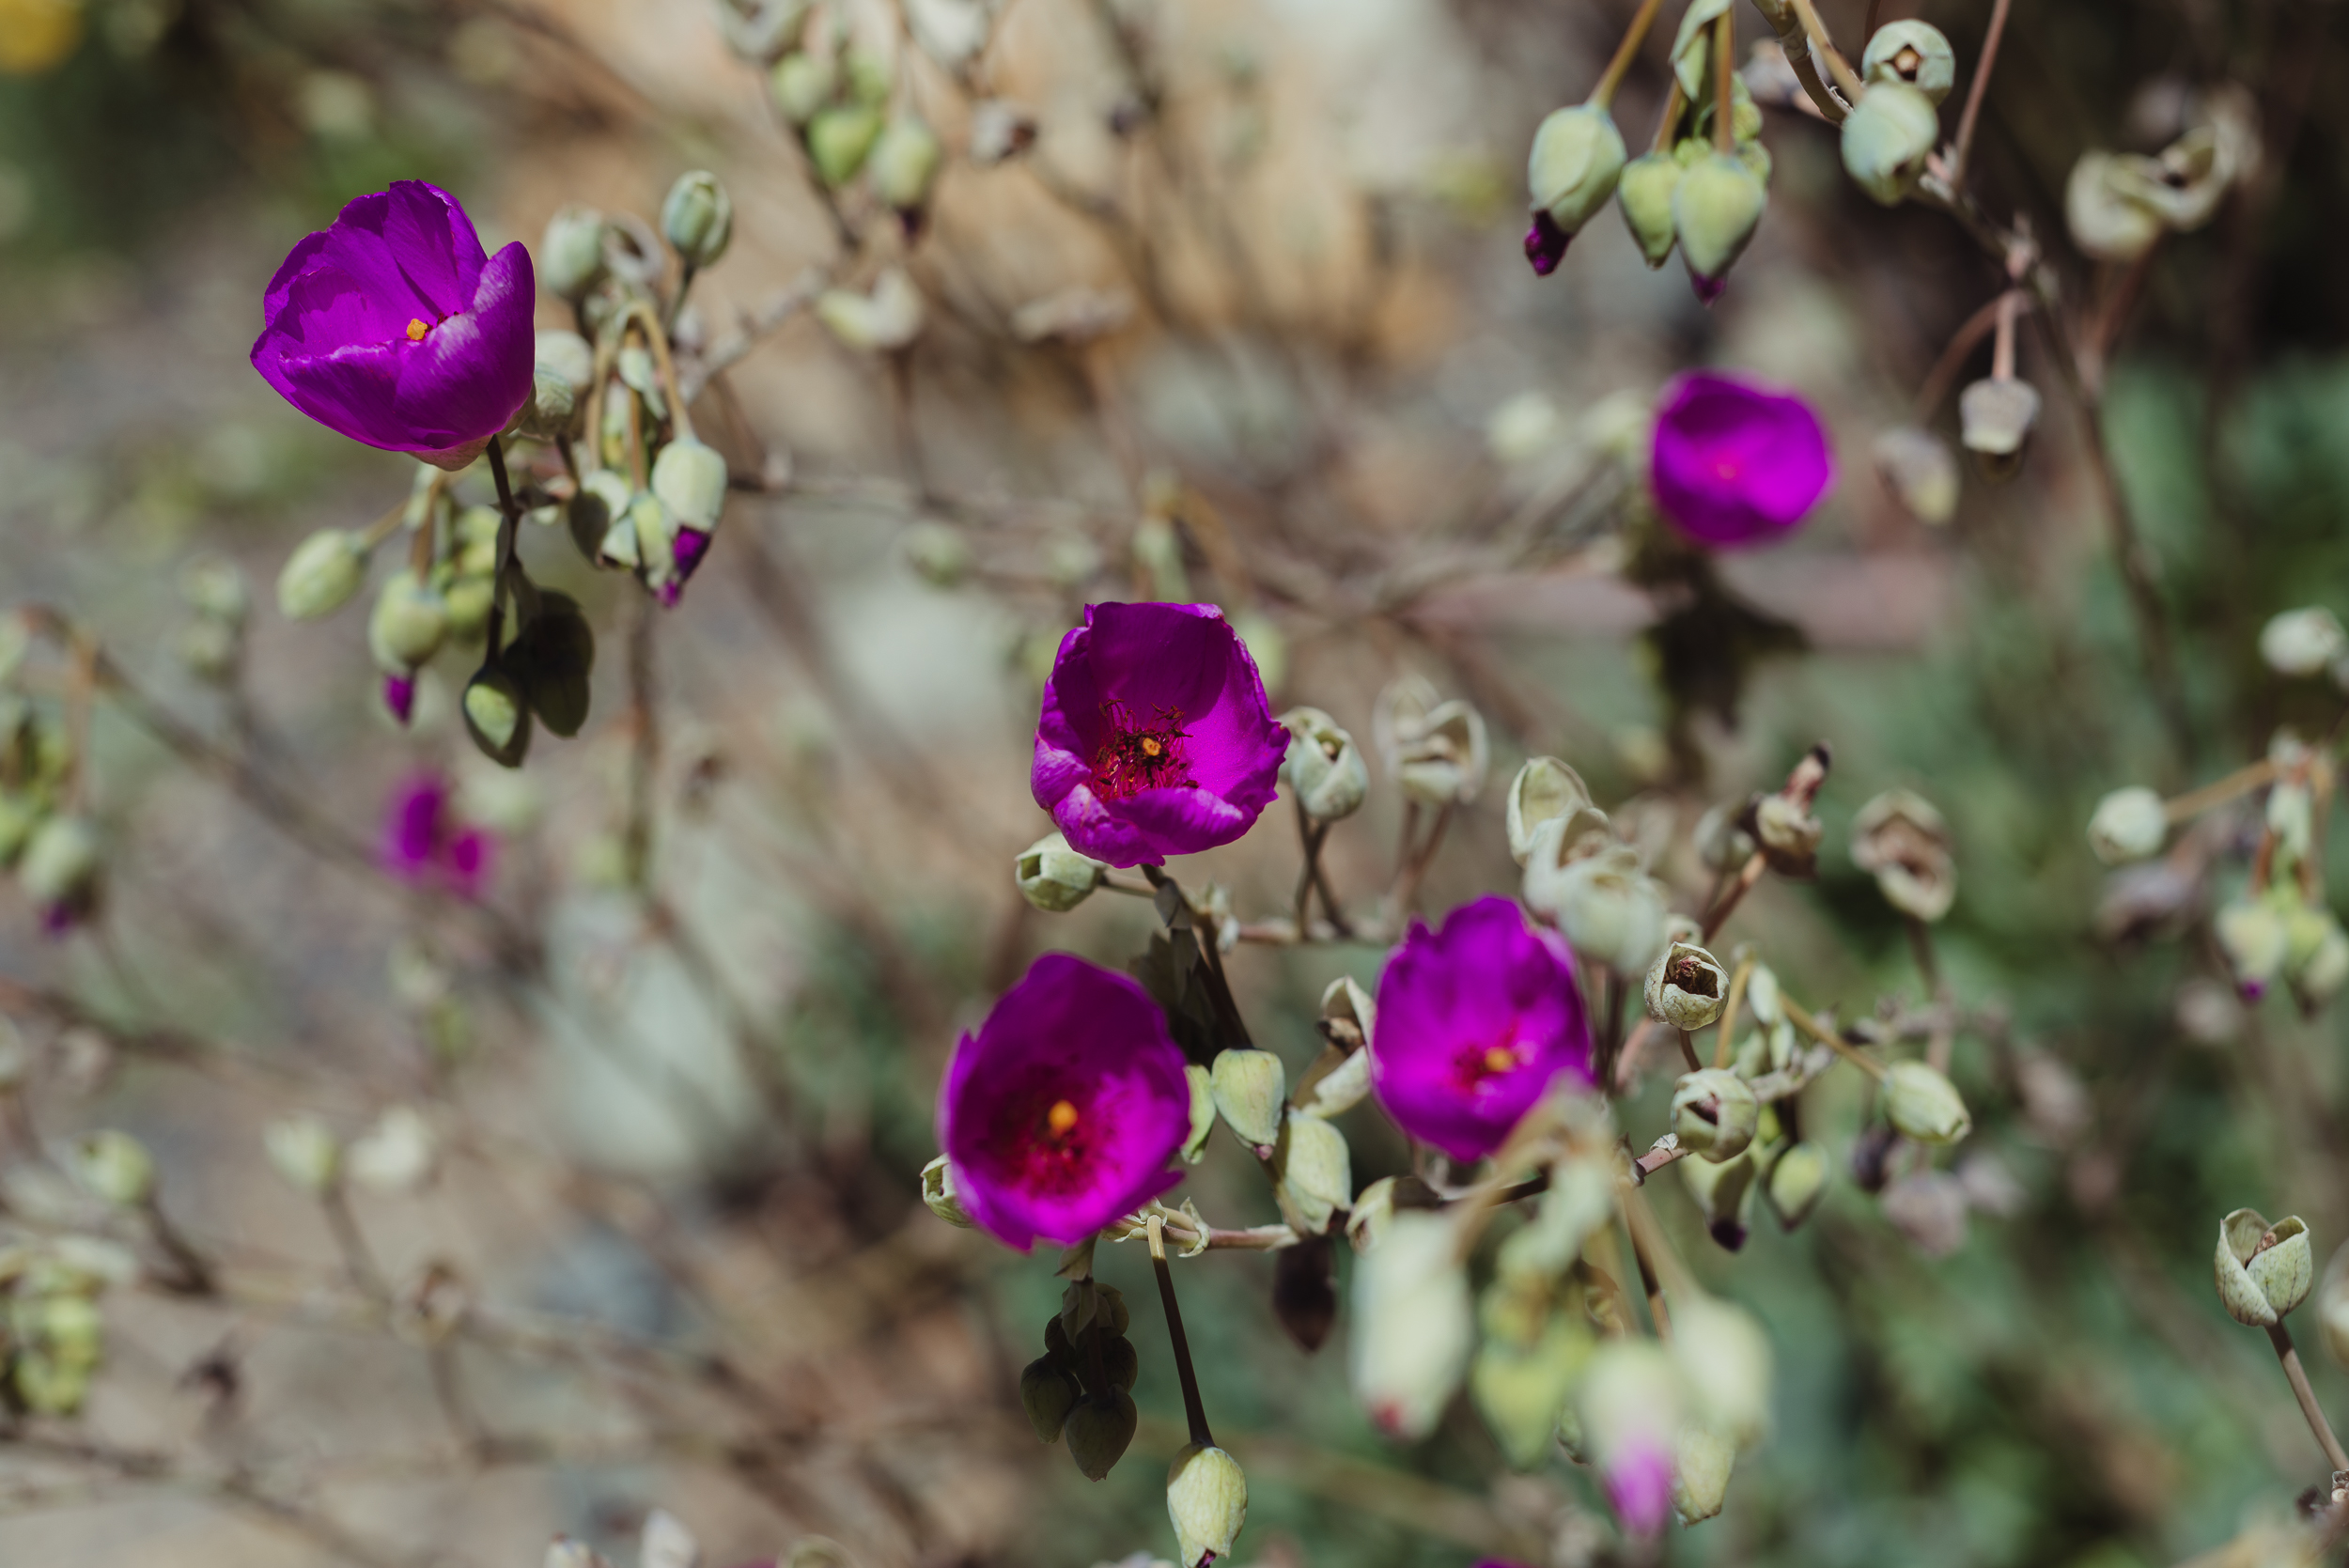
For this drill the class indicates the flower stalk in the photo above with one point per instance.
(1194, 1410)
(2279, 1336)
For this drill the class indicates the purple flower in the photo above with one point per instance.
(1640, 1484)
(1545, 244)
(393, 329)
(425, 841)
(1474, 1022)
(1064, 1111)
(1735, 463)
(1156, 738)
(399, 697)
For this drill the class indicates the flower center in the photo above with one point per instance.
(416, 329)
(1472, 1068)
(1726, 469)
(1140, 754)
(1062, 1117)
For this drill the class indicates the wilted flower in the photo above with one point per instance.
(1475, 1020)
(392, 328)
(1435, 749)
(1686, 987)
(424, 840)
(1737, 463)
(1066, 1109)
(1155, 739)
(1904, 844)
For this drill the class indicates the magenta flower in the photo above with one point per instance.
(1640, 1485)
(1156, 738)
(1064, 1111)
(1475, 1020)
(392, 328)
(426, 842)
(1735, 463)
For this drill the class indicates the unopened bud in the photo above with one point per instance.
(1521, 1390)
(547, 414)
(570, 257)
(667, 1543)
(496, 717)
(1914, 52)
(1630, 1408)
(409, 624)
(1609, 910)
(1715, 1113)
(1440, 756)
(2128, 825)
(321, 574)
(690, 478)
(1046, 1394)
(1324, 765)
(214, 588)
(1414, 1326)
(1886, 138)
(1797, 1182)
(60, 865)
(1250, 1086)
(115, 1167)
(839, 139)
(2302, 642)
(1317, 1174)
(1545, 790)
(938, 1193)
(1054, 877)
(1994, 416)
(1645, 193)
(1720, 843)
(1924, 1106)
(887, 319)
(903, 163)
(1724, 1356)
(2316, 964)
(1373, 1213)
(1723, 1194)
(1906, 845)
(2264, 1270)
(1098, 1430)
(567, 355)
(1687, 987)
(396, 1155)
(2253, 936)
(800, 85)
(2102, 209)
(939, 554)
(1702, 1460)
(870, 76)
(305, 1152)
(1716, 206)
(1202, 1112)
(697, 219)
(1918, 466)
(1207, 1497)
(1575, 158)
(1788, 835)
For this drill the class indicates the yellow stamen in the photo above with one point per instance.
(416, 329)
(1062, 1117)
(1500, 1058)
(1150, 746)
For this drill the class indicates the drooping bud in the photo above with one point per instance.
(497, 716)
(321, 574)
(1054, 877)
(1702, 1460)
(1324, 765)
(2303, 642)
(60, 869)
(1100, 1429)
(1994, 418)
(1545, 790)
(1207, 1497)
(1906, 845)
(697, 219)
(116, 1168)
(1724, 1193)
(1046, 1394)
(2128, 825)
(1914, 52)
(2255, 939)
(1413, 1325)
(306, 1152)
(938, 1193)
(903, 163)
(839, 140)
(1367, 1226)
(2102, 209)
(409, 624)
(1644, 194)
(570, 257)
(1924, 1106)
(1575, 158)
(1317, 1174)
(1717, 205)
(1687, 987)
(1918, 466)
(1521, 1388)
(690, 478)
(1797, 1182)
(800, 85)
(1725, 1357)
(1608, 908)
(2262, 1270)
(1250, 1086)
(1629, 1409)
(1715, 1113)
(1886, 138)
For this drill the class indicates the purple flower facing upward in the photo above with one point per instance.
(392, 328)
(1475, 1020)
(1066, 1109)
(1156, 738)
(1735, 463)
(425, 841)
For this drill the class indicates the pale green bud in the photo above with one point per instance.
(321, 574)
(1577, 155)
(889, 318)
(839, 139)
(1054, 877)
(1609, 910)
(1918, 466)
(690, 478)
(2264, 1270)
(1886, 138)
(1644, 194)
(396, 1155)
(1723, 1194)
(1715, 1113)
(1349, 1013)
(1924, 1106)
(1339, 1089)
(570, 257)
(1249, 1088)
(938, 1193)
(495, 714)
(1046, 1394)
(1414, 1325)
(61, 863)
(567, 355)
(305, 1152)
(697, 219)
(1521, 1390)
(2319, 963)
(1702, 1460)
(547, 414)
(2332, 1307)
(1797, 1182)
(1687, 987)
(1324, 765)
(800, 85)
(1373, 1213)
(115, 1167)
(1544, 790)
(1905, 844)
(1721, 842)
(1913, 53)
(469, 600)
(214, 587)
(1716, 206)
(66, 1329)
(1207, 1497)
(870, 76)
(2302, 642)
(1631, 1394)
(2253, 935)
(1996, 417)
(1724, 1355)
(2128, 825)
(2102, 208)
(1579, 1202)
(1202, 1112)
(903, 163)
(409, 624)
(1100, 1429)
(1317, 1174)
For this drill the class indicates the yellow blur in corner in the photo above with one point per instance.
(37, 36)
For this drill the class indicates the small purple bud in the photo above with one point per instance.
(688, 549)
(58, 920)
(1707, 289)
(399, 696)
(667, 593)
(1545, 245)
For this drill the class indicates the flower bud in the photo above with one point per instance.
(1886, 138)
(567, 355)
(870, 76)
(1521, 1390)
(690, 480)
(1609, 910)
(1918, 466)
(1724, 1193)
(2302, 642)
(1687, 987)
(1906, 845)
(1716, 206)
(547, 414)
(1440, 756)
(321, 574)
(1788, 835)
(1413, 1325)
(1098, 1430)
(410, 623)
(2129, 825)
(1373, 1213)
(1995, 417)
(1914, 52)
(1715, 1113)
(1249, 1088)
(1924, 1106)
(495, 716)
(939, 1194)
(1721, 842)
(1629, 1407)
(800, 85)
(2264, 1270)
(2102, 209)
(305, 1152)
(570, 257)
(1797, 1182)
(1724, 1358)
(1644, 195)
(839, 140)
(1324, 765)
(60, 866)
(394, 1155)
(889, 318)
(1207, 1497)
(1317, 1174)
(115, 1167)
(1702, 1460)
(1544, 790)
(2317, 963)
(697, 219)
(1054, 877)
(1577, 155)
(2255, 939)
(903, 163)
(214, 588)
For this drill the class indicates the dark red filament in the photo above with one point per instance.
(1138, 756)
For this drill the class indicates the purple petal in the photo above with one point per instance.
(1735, 463)
(1545, 244)
(399, 696)
(411, 829)
(1640, 1484)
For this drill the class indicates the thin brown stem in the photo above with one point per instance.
(1825, 47)
(1194, 1410)
(1975, 90)
(2281, 1337)
(1945, 369)
(1675, 105)
(1723, 1042)
(1751, 874)
(1724, 73)
(1625, 52)
(1812, 1027)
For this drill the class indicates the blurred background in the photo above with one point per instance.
(1221, 300)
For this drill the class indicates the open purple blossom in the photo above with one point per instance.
(1156, 737)
(1064, 1111)
(392, 327)
(1736, 462)
(424, 840)
(1475, 1020)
